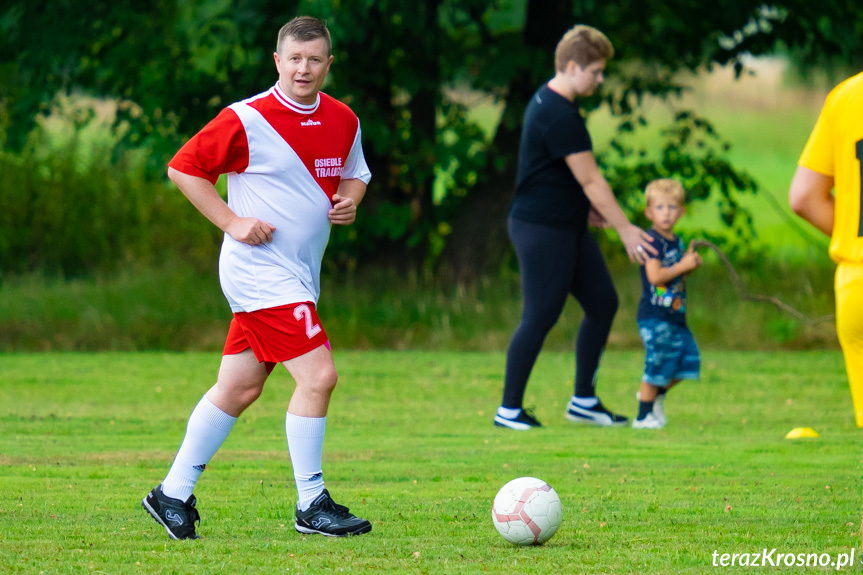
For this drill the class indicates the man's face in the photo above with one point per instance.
(303, 67)
(586, 80)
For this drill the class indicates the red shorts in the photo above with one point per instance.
(276, 334)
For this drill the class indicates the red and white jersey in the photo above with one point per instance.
(284, 162)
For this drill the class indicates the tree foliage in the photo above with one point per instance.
(441, 186)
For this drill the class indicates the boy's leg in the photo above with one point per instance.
(659, 402)
(649, 395)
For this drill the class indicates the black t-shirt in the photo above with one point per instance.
(546, 192)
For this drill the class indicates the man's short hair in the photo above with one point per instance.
(583, 45)
(304, 29)
(665, 187)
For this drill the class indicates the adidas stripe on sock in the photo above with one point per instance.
(206, 431)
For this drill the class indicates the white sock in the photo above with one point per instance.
(306, 447)
(508, 412)
(206, 431)
(585, 402)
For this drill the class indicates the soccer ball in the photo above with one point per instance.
(527, 511)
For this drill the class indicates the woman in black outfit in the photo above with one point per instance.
(558, 189)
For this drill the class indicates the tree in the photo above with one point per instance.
(439, 183)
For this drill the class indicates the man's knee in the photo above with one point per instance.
(323, 381)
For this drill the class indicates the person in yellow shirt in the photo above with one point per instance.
(826, 192)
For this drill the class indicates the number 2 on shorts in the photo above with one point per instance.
(303, 311)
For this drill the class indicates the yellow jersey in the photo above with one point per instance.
(835, 149)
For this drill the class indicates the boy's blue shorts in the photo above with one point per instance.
(671, 352)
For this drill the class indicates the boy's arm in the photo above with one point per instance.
(658, 275)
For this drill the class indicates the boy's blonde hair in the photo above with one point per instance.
(584, 46)
(665, 187)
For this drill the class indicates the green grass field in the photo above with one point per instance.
(410, 446)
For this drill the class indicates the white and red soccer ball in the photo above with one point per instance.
(527, 511)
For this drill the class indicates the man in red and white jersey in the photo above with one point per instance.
(295, 166)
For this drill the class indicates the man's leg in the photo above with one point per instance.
(305, 423)
(240, 381)
(849, 328)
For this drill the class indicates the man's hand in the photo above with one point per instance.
(251, 231)
(343, 212)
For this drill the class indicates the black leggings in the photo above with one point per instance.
(556, 262)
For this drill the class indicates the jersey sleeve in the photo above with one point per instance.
(818, 153)
(567, 136)
(221, 147)
(355, 163)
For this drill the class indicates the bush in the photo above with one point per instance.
(60, 214)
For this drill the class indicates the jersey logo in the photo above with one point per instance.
(328, 167)
(310, 123)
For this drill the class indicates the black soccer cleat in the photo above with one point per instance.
(327, 517)
(177, 517)
(522, 422)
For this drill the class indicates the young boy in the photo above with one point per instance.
(671, 352)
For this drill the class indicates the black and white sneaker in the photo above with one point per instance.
(596, 415)
(522, 422)
(177, 517)
(327, 517)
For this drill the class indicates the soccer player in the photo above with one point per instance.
(671, 353)
(831, 162)
(558, 189)
(295, 166)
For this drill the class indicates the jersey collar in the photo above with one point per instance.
(293, 104)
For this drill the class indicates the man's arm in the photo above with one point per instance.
(811, 198)
(204, 196)
(635, 240)
(345, 201)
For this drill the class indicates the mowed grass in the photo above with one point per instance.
(410, 446)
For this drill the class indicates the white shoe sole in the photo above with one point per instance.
(589, 420)
(510, 424)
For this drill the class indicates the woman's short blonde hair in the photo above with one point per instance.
(665, 187)
(583, 45)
